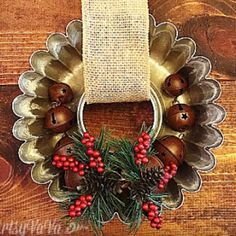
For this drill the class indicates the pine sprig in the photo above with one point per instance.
(123, 159)
(141, 181)
(100, 144)
(123, 186)
(79, 149)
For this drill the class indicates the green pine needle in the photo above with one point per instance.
(120, 163)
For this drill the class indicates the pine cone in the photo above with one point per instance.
(94, 182)
(91, 183)
(152, 176)
(150, 179)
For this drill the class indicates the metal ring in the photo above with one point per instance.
(157, 109)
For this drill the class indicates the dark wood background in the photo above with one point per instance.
(24, 27)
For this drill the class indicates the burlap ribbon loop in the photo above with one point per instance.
(116, 50)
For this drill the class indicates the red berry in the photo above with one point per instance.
(66, 163)
(146, 144)
(165, 180)
(82, 198)
(161, 186)
(100, 170)
(153, 207)
(81, 166)
(83, 141)
(86, 135)
(72, 214)
(138, 162)
(89, 203)
(143, 134)
(167, 175)
(76, 162)
(77, 208)
(72, 164)
(75, 169)
(56, 158)
(140, 146)
(66, 168)
(145, 207)
(71, 159)
(90, 152)
(89, 198)
(151, 214)
(89, 144)
(136, 149)
(63, 158)
(150, 218)
(54, 163)
(83, 205)
(145, 160)
(167, 168)
(143, 152)
(81, 173)
(140, 156)
(77, 202)
(158, 226)
(91, 159)
(92, 164)
(59, 164)
(174, 167)
(147, 137)
(101, 164)
(173, 172)
(78, 213)
(156, 220)
(96, 154)
(140, 140)
(91, 139)
(153, 225)
(99, 159)
(72, 207)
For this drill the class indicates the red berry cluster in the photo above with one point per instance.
(170, 172)
(68, 163)
(95, 160)
(79, 205)
(141, 148)
(153, 214)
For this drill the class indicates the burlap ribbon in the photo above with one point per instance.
(116, 50)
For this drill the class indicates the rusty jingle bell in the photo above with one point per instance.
(60, 93)
(65, 147)
(59, 119)
(170, 149)
(180, 117)
(175, 85)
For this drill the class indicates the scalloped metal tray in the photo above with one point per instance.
(168, 54)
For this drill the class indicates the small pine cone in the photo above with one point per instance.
(94, 182)
(139, 190)
(91, 183)
(111, 182)
(152, 176)
(150, 179)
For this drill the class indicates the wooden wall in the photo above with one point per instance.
(24, 27)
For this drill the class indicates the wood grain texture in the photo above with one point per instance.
(24, 27)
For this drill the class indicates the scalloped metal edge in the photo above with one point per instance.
(182, 190)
